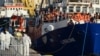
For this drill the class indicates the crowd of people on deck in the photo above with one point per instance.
(56, 14)
(85, 17)
(20, 41)
(51, 14)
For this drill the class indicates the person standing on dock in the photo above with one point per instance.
(5, 39)
(27, 43)
(8, 37)
(2, 40)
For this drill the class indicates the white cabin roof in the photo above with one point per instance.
(13, 9)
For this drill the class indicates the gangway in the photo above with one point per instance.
(13, 52)
(16, 49)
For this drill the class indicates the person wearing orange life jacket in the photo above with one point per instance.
(77, 17)
(5, 37)
(74, 17)
(70, 23)
(48, 17)
(22, 24)
(27, 43)
(85, 17)
(13, 20)
(82, 17)
(88, 17)
(52, 16)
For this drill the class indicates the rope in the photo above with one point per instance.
(64, 44)
(4, 23)
(84, 40)
(68, 38)
(71, 32)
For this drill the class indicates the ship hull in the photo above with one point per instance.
(75, 40)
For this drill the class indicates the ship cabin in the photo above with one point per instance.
(74, 7)
(10, 9)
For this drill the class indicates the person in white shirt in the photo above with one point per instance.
(2, 37)
(5, 39)
(8, 39)
(27, 43)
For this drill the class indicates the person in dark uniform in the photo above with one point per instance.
(70, 22)
(91, 19)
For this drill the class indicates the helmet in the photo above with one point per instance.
(18, 35)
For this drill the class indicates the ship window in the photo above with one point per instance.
(84, 9)
(97, 9)
(91, 10)
(71, 9)
(95, 1)
(77, 9)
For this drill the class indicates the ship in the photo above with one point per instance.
(78, 39)
(57, 38)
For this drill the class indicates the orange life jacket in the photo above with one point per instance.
(21, 23)
(13, 17)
